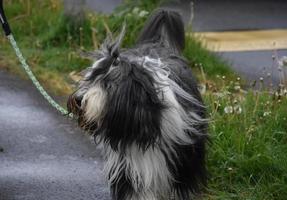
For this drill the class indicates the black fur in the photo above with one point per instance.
(165, 27)
(133, 110)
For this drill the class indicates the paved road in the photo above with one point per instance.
(256, 64)
(45, 157)
(106, 6)
(222, 15)
(226, 15)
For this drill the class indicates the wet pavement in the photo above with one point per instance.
(45, 156)
(253, 65)
(225, 15)
(106, 6)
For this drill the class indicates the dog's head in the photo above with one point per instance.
(136, 96)
(117, 99)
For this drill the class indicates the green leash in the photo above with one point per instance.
(26, 67)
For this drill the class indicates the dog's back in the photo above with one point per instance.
(161, 43)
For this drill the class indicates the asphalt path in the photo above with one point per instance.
(45, 156)
(254, 65)
(227, 15)
(106, 6)
(223, 15)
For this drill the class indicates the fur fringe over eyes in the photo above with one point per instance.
(143, 107)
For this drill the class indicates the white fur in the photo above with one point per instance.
(93, 103)
(147, 171)
(96, 64)
(176, 121)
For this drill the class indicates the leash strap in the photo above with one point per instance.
(25, 66)
(3, 20)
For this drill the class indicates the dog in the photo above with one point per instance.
(143, 107)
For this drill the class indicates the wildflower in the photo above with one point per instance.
(237, 109)
(143, 13)
(237, 87)
(228, 109)
(261, 79)
(217, 104)
(265, 114)
(230, 169)
(223, 77)
(136, 10)
(202, 88)
(238, 78)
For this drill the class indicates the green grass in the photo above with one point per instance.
(44, 32)
(247, 156)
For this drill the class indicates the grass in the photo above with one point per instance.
(52, 42)
(247, 158)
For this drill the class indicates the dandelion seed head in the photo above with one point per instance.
(228, 109)
(237, 87)
(143, 13)
(136, 10)
(266, 114)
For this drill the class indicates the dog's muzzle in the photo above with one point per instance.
(74, 104)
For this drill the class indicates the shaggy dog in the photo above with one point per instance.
(143, 106)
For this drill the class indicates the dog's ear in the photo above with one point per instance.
(164, 26)
(111, 46)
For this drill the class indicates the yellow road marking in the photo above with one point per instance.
(244, 40)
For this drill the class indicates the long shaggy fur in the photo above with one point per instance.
(143, 106)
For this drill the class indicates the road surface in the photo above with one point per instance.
(45, 156)
(244, 15)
